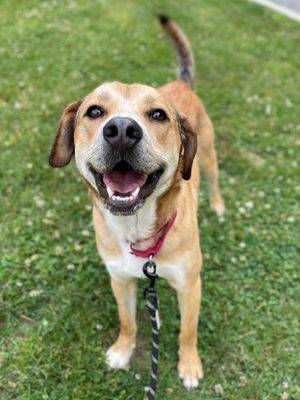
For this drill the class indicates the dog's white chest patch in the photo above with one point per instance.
(129, 229)
(129, 266)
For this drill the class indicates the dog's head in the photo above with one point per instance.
(128, 141)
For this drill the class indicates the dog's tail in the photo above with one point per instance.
(183, 47)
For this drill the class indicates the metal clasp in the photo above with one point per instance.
(149, 270)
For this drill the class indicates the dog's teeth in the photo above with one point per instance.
(135, 193)
(109, 191)
(121, 198)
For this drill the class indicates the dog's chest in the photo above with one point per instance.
(126, 231)
(128, 266)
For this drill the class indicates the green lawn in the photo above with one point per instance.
(57, 313)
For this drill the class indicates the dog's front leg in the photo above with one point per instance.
(189, 367)
(118, 355)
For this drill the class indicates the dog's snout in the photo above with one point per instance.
(122, 133)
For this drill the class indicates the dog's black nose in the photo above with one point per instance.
(122, 133)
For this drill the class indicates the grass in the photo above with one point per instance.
(57, 313)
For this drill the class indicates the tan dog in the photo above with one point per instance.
(138, 150)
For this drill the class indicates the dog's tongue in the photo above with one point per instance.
(124, 181)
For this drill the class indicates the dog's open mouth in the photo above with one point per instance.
(124, 188)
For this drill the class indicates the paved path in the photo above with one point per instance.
(290, 8)
(293, 5)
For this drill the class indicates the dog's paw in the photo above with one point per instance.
(118, 358)
(190, 371)
(218, 206)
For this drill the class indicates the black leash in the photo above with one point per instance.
(150, 296)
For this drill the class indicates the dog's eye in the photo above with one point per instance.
(158, 115)
(95, 112)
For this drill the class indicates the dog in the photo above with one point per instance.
(139, 150)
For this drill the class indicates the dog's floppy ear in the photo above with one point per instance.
(189, 143)
(63, 146)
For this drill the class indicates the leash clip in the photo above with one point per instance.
(149, 270)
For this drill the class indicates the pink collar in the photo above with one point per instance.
(155, 249)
